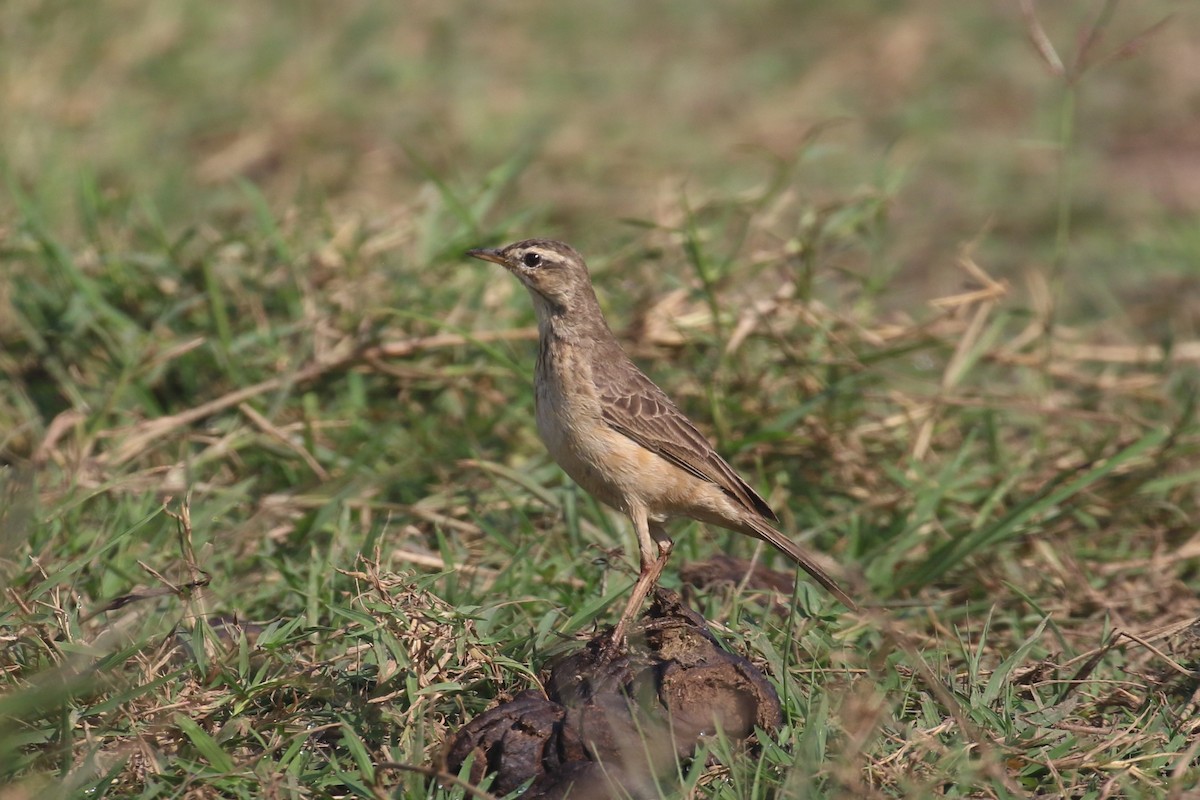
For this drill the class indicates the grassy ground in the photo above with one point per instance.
(272, 509)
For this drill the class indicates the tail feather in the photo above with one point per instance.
(807, 562)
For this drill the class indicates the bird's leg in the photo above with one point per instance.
(654, 548)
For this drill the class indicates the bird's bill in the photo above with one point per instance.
(487, 254)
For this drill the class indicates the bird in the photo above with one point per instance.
(618, 435)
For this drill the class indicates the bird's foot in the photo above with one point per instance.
(613, 645)
(610, 650)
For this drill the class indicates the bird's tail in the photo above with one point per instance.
(762, 530)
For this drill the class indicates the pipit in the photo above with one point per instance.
(617, 434)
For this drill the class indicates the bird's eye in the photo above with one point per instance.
(531, 260)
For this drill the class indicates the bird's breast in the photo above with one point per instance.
(571, 424)
(565, 402)
(607, 464)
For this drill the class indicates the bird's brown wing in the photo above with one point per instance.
(636, 408)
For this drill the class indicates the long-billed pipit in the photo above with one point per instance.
(617, 434)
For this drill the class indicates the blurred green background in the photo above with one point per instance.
(621, 109)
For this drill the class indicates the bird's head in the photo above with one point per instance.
(553, 272)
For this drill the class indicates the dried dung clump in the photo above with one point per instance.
(624, 722)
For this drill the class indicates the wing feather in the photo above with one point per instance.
(634, 407)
